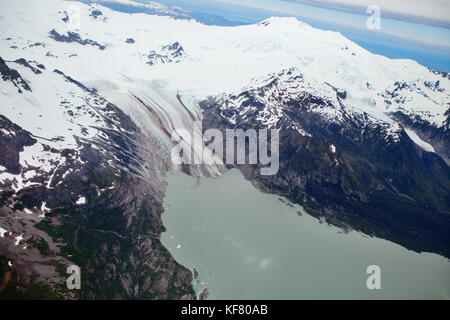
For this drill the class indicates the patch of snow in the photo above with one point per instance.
(8, 133)
(36, 156)
(81, 200)
(70, 170)
(333, 148)
(44, 210)
(18, 239)
(423, 144)
(393, 132)
(2, 232)
(17, 181)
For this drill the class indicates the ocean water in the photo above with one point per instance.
(250, 245)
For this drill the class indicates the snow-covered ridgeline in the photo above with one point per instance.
(414, 137)
(218, 60)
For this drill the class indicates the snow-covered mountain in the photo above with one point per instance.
(89, 108)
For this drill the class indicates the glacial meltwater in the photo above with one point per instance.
(246, 244)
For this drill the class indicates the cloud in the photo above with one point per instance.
(430, 9)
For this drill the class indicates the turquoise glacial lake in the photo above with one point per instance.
(246, 244)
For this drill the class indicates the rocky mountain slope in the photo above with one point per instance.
(91, 196)
(344, 165)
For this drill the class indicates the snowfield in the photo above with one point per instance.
(194, 61)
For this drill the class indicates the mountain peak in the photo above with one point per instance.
(282, 21)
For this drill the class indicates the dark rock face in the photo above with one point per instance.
(74, 37)
(12, 141)
(130, 40)
(383, 186)
(113, 235)
(439, 138)
(13, 76)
